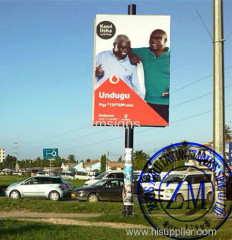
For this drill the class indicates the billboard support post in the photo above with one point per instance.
(128, 171)
(128, 156)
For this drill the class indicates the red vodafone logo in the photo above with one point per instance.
(114, 79)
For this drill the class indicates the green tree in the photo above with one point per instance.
(71, 158)
(103, 163)
(140, 158)
(179, 151)
(58, 162)
(9, 162)
(228, 133)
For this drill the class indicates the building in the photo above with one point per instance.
(95, 165)
(68, 166)
(112, 165)
(2, 154)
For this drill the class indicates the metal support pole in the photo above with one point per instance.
(218, 75)
(128, 156)
(132, 9)
(128, 171)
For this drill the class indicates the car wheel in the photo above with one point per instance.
(209, 197)
(135, 198)
(15, 194)
(179, 198)
(92, 198)
(54, 196)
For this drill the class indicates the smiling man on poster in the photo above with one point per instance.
(156, 64)
(116, 61)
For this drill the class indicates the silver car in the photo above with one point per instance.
(50, 187)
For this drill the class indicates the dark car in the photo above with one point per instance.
(104, 190)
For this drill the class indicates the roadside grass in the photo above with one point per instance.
(8, 179)
(67, 206)
(111, 212)
(24, 230)
(77, 182)
(40, 205)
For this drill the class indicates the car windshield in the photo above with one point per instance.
(174, 178)
(100, 176)
(100, 183)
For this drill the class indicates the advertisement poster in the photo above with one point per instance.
(131, 75)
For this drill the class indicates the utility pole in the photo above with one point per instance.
(218, 76)
(16, 151)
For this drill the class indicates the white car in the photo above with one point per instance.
(50, 187)
(105, 175)
(82, 176)
(66, 175)
(190, 186)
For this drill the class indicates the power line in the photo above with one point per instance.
(91, 134)
(192, 83)
(196, 98)
(83, 136)
(183, 119)
(204, 25)
(190, 100)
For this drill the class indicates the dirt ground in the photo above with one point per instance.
(64, 218)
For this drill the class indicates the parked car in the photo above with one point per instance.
(68, 185)
(150, 181)
(183, 179)
(50, 187)
(66, 175)
(105, 175)
(82, 175)
(103, 190)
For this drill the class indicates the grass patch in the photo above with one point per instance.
(24, 230)
(12, 229)
(43, 205)
(8, 179)
(37, 205)
(77, 182)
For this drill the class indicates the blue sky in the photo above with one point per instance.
(46, 61)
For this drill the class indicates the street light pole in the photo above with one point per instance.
(218, 76)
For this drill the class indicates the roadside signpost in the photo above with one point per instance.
(50, 153)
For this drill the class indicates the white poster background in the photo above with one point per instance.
(137, 27)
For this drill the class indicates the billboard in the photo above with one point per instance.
(50, 153)
(131, 74)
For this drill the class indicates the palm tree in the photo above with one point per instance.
(228, 133)
(180, 150)
(140, 158)
(71, 158)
